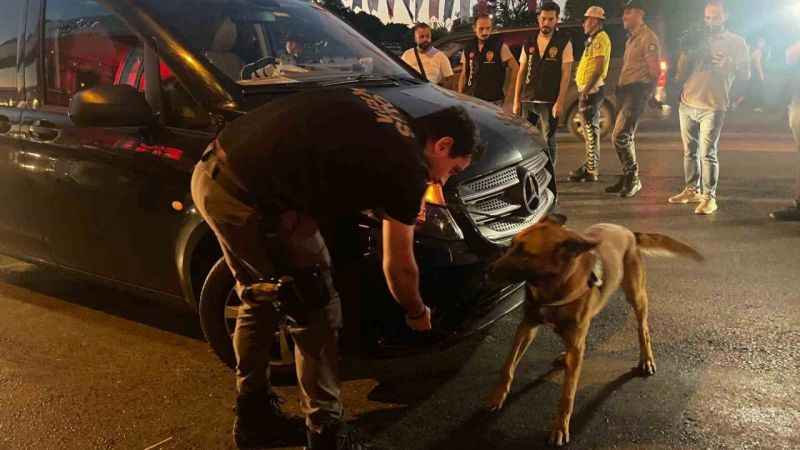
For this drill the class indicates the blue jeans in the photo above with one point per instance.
(700, 131)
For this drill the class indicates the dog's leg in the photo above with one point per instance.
(635, 288)
(526, 332)
(574, 338)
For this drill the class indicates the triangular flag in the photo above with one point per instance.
(433, 9)
(464, 11)
(358, 4)
(390, 6)
(372, 5)
(448, 8)
(417, 9)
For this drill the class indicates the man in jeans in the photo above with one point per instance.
(714, 59)
(792, 213)
(640, 70)
(590, 78)
(544, 73)
(268, 184)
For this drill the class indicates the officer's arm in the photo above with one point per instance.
(523, 64)
(400, 267)
(566, 74)
(462, 76)
(509, 59)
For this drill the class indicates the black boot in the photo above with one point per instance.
(583, 175)
(631, 185)
(260, 422)
(790, 214)
(337, 436)
(616, 188)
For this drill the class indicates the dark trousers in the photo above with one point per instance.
(257, 243)
(589, 109)
(547, 124)
(632, 100)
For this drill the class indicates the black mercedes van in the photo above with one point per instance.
(105, 192)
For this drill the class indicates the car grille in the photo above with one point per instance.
(496, 202)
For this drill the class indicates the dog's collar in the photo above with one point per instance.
(595, 281)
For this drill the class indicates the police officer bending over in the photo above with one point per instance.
(264, 187)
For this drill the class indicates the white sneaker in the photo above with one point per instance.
(707, 206)
(688, 195)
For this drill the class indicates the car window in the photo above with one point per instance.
(273, 41)
(87, 45)
(9, 35)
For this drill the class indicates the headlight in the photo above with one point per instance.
(434, 219)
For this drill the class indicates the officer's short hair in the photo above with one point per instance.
(551, 6)
(480, 16)
(420, 26)
(719, 3)
(451, 122)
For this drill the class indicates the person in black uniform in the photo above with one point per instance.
(484, 62)
(544, 75)
(267, 185)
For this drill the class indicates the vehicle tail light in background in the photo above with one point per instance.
(662, 77)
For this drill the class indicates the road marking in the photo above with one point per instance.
(158, 444)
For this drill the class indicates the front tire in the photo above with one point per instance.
(575, 121)
(219, 308)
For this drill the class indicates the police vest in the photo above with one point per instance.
(484, 73)
(543, 75)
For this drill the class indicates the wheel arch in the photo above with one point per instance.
(196, 251)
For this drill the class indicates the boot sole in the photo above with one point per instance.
(630, 194)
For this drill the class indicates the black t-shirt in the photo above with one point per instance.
(329, 153)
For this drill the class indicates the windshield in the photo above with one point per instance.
(256, 42)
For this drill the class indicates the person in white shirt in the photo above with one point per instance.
(435, 65)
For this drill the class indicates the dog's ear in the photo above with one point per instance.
(576, 245)
(557, 219)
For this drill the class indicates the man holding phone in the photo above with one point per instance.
(710, 63)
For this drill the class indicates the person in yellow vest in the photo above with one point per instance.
(590, 78)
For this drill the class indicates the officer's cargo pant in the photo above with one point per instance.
(547, 124)
(252, 239)
(589, 108)
(632, 100)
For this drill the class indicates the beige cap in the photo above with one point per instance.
(596, 12)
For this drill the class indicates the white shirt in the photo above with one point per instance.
(437, 66)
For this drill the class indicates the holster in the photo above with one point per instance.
(295, 295)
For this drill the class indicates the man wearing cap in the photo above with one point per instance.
(432, 64)
(710, 62)
(640, 70)
(543, 79)
(590, 78)
(484, 62)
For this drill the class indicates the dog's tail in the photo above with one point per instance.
(660, 245)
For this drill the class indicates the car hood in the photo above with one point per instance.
(507, 138)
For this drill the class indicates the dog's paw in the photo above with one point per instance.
(559, 437)
(560, 361)
(497, 398)
(647, 367)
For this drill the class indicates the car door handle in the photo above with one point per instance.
(5, 124)
(43, 130)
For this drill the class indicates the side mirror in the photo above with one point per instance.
(110, 106)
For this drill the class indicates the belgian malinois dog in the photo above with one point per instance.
(570, 277)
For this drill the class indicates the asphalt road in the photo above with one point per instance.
(87, 367)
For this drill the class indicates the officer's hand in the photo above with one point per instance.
(557, 109)
(421, 322)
